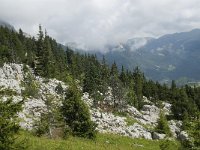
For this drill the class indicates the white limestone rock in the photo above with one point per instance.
(133, 112)
(175, 127)
(11, 76)
(87, 100)
(138, 131)
(167, 108)
(150, 113)
(183, 136)
(158, 136)
(145, 100)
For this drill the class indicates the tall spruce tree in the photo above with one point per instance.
(163, 126)
(9, 126)
(138, 78)
(76, 114)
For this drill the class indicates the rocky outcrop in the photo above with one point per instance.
(166, 108)
(12, 77)
(107, 122)
(150, 113)
(175, 127)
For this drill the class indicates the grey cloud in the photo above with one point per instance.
(96, 23)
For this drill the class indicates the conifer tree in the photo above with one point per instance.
(138, 78)
(39, 62)
(163, 126)
(9, 126)
(76, 114)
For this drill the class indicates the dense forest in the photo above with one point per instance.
(51, 60)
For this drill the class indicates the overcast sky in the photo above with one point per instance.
(99, 22)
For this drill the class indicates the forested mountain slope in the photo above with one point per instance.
(122, 100)
(169, 57)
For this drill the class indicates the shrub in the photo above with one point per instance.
(30, 85)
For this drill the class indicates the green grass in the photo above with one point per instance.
(130, 121)
(102, 142)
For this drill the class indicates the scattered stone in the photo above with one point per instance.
(183, 136)
(167, 108)
(145, 100)
(138, 145)
(11, 76)
(175, 127)
(158, 136)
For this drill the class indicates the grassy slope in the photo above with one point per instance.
(103, 142)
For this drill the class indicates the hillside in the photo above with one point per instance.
(102, 142)
(63, 93)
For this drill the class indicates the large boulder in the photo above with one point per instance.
(138, 131)
(158, 136)
(175, 127)
(132, 111)
(183, 136)
(11, 76)
(166, 108)
(150, 113)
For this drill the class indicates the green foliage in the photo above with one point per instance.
(181, 105)
(118, 93)
(49, 120)
(9, 126)
(138, 86)
(31, 87)
(76, 114)
(102, 142)
(132, 99)
(121, 114)
(59, 89)
(130, 121)
(193, 128)
(168, 145)
(163, 126)
(49, 59)
(41, 126)
(8, 92)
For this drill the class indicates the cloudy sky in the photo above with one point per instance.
(99, 22)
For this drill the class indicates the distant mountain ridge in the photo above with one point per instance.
(170, 57)
(173, 56)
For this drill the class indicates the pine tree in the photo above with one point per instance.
(39, 62)
(49, 64)
(163, 126)
(76, 114)
(9, 126)
(138, 78)
(114, 70)
(123, 76)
